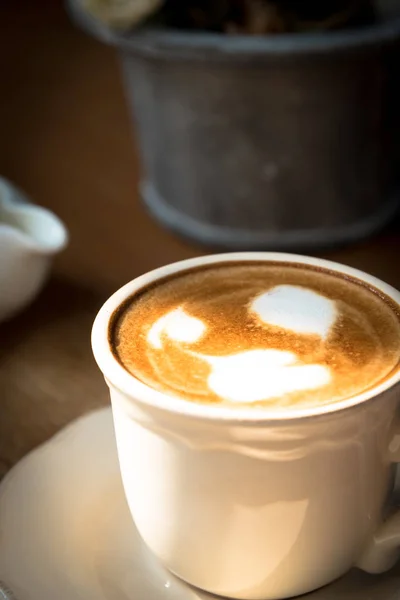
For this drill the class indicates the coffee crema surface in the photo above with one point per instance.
(263, 334)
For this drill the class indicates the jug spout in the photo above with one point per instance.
(33, 227)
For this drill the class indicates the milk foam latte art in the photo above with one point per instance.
(266, 334)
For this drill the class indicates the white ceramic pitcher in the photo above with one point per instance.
(29, 237)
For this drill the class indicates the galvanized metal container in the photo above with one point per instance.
(280, 142)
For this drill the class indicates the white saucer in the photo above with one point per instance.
(66, 533)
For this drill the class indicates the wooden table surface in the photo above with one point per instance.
(66, 139)
(47, 374)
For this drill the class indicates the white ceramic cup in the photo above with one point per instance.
(253, 505)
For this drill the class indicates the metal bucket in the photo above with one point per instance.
(280, 142)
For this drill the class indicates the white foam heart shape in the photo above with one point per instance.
(178, 325)
(296, 309)
(257, 375)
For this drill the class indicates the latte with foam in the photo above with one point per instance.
(258, 334)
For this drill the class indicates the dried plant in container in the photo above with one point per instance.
(257, 17)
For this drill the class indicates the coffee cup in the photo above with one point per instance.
(250, 503)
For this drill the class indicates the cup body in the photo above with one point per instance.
(243, 504)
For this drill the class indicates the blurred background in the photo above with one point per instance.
(69, 142)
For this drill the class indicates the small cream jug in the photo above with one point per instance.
(29, 237)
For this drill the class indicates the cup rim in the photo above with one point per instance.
(118, 377)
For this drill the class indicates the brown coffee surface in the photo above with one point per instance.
(198, 335)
